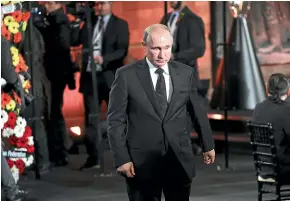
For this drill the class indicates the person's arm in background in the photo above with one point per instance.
(122, 44)
(196, 41)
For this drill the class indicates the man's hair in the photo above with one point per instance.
(149, 29)
(278, 85)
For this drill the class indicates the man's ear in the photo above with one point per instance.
(143, 43)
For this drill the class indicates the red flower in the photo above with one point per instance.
(17, 37)
(16, 97)
(9, 124)
(17, 15)
(21, 142)
(10, 163)
(25, 16)
(27, 132)
(5, 32)
(11, 120)
(5, 99)
(20, 165)
(12, 117)
(21, 60)
(13, 140)
(30, 149)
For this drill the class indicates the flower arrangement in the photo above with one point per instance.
(14, 129)
(180, 17)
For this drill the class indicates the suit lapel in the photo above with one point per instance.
(174, 74)
(145, 78)
(110, 29)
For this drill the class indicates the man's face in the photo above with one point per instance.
(158, 48)
(102, 7)
(51, 6)
(175, 4)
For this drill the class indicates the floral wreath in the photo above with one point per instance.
(14, 128)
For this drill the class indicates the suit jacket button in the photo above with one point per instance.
(159, 142)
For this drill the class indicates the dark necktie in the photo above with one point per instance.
(160, 90)
(101, 24)
(172, 17)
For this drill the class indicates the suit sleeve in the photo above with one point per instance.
(122, 44)
(199, 116)
(117, 120)
(196, 41)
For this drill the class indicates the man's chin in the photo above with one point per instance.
(160, 64)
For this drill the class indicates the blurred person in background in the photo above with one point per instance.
(188, 33)
(60, 71)
(110, 40)
(33, 41)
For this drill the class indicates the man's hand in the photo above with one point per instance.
(127, 169)
(209, 157)
(99, 59)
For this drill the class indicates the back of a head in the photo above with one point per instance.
(278, 85)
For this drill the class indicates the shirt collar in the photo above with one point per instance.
(106, 17)
(153, 68)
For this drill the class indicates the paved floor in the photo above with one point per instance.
(212, 183)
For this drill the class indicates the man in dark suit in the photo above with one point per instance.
(188, 33)
(276, 110)
(59, 71)
(110, 39)
(188, 40)
(149, 107)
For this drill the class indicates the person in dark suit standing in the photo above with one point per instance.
(188, 33)
(59, 71)
(110, 39)
(276, 110)
(188, 40)
(149, 107)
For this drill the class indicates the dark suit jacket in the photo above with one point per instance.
(114, 50)
(190, 39)
(135, 127)
(278, 114)
(56, 35)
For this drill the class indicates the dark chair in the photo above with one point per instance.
(266, 162)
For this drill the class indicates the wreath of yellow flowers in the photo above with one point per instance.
(14, 24)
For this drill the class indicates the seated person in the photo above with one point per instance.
(276, 110)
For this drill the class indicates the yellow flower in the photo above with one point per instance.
(15, 60)
(8, 20)
(24, 26)
(11, 105)
(13, 27)
(5, 2)
(14, 51)
(25, 84)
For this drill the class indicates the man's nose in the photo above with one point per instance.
(161, 54)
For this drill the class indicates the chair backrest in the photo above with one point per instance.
(264, 149)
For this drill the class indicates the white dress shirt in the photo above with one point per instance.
(97, 41)
(154, 77)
